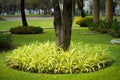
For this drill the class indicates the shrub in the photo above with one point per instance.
(115, 29)
(45, 58)
(26, 30)
(5, 42)
(84, 22)
(80, 21)
(103, 27)
(88, 20)
(110, 28)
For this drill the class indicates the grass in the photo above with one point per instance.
(110, 73)
(6, 25)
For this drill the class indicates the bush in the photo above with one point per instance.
(84, 22)
(88, 20)
(26, 30)
(45, 58)
(110, 28)
(5, 42)
(103, 27)
(115, 29)
(80, 21)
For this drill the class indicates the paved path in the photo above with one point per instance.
(28, 18)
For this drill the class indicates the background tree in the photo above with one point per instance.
(102, 6)
(96, 14)
(63, 24)
(1, 7)
(80, 6)
(109, 11)
(73, 8)
(24, 21)
(8, 7)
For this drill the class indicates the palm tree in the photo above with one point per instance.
(24, 21)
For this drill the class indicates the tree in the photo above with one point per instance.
(73, 8)
(80, 6)
(45, 5)
(109, 11)
(96, 11)
(63, 23)
(1, 7)
(57, 22)
(102, 6)
(24, 21)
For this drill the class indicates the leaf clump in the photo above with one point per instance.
(45, 58)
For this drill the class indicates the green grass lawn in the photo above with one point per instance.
(110, 73)
(6, 25)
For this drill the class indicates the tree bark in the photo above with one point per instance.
(57, 22)
(63, 24)
(80, 6)
(73, 9)
(109, 11)
(24, 21)
(96, 11)
(66, 24)
(0, 9)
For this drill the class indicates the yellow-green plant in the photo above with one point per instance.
(80, 21)
(45, 58)
(83, 22)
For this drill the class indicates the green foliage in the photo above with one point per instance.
(26, 30)
(80, 21)
(45, 58)
(115, 29)
(102, 27)
(110, 28)
(84, 22)
(5, 41)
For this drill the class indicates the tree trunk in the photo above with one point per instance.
(73, 9)
(63, 24)
(24, 21)
(0, 9)
(96, 11)
(80, 6)
(57, 22)
(109, 11)
(66, 24)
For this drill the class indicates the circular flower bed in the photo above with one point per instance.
(45, 58)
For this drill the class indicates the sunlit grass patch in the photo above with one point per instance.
(45, 58)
